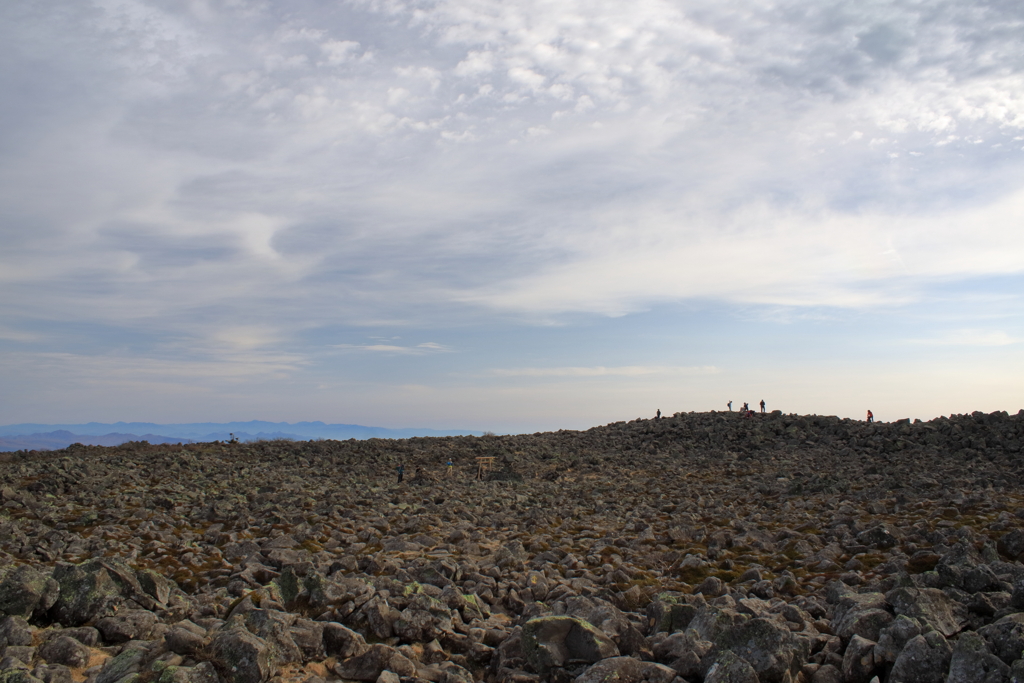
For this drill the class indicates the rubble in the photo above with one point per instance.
(695, 548)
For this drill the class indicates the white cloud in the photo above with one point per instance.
(622, 371)
(971, 337)
(418, 350)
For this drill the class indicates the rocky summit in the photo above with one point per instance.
(702, 547)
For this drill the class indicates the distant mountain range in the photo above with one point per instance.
(29, 436)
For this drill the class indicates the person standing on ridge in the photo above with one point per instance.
(762, 405)
(658, 416)
(871, 416)
(730, 406)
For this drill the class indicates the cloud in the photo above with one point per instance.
(418, 350)
(980, 338)
(221, 180)
(622, 371)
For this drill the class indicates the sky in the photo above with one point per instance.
(509, 215)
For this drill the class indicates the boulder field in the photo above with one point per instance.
(701, 547)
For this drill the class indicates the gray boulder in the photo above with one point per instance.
(859, 661)
(369, 665)
(25, 590)
(203, 672)
(894, 638)
(709, 622)
(128, 662)
(342, 642)
(87, 592)
(626, 670)
(1011, 544)
(730, 668)
(18, 676)
(241, 657)
(64, 650)
(549, 642)
(14, 631)
(866, 623)
(770, 648)
(184, 641)
(1005, 637)
(53, 673)
(129, 624)
(973, 663)
(925, 659)
(929, 605)
(273, 627)
(827, 674)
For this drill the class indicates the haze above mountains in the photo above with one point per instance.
(32, 436)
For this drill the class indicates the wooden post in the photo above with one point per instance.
(483, 464)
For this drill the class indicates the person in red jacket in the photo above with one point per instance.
(871, 416)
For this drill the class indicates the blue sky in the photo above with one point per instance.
(511, 215)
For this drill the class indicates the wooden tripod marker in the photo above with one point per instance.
(483, 464)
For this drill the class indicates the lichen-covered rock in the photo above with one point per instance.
(129, 661)
(14, 631)
(87, 592)
(556, 641)
(342, 642)
(929, 605)
(241, 657)
(728, 667)
(274, 628)
(894, 637)
(971, 662)
(129, 624)
(66, 651)
(771, 649)
(155, 585)
(859, 660)
(25, 590)
(925, 659)
(203, 672)
(1005, 637)
(626, 670)
(369, 665)
(184, 641)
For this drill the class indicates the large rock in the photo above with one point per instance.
(730, 668)
(770, 648)
(87, 592)
(556, 641)
(369, 665)
(66, 651)
(866, 623)
(184, 641)
(929, 605)
(1011, 544)
(241, 657)
(274, 628)
(342, 642)
(129, 661)
(973, 663)
(925, 659)
(859, 660)
(129, 624)
(709, 622)
(14, 631)
(894, 638)
(1005, 637)
(202, 672)
(626, 670)
(25, 590)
